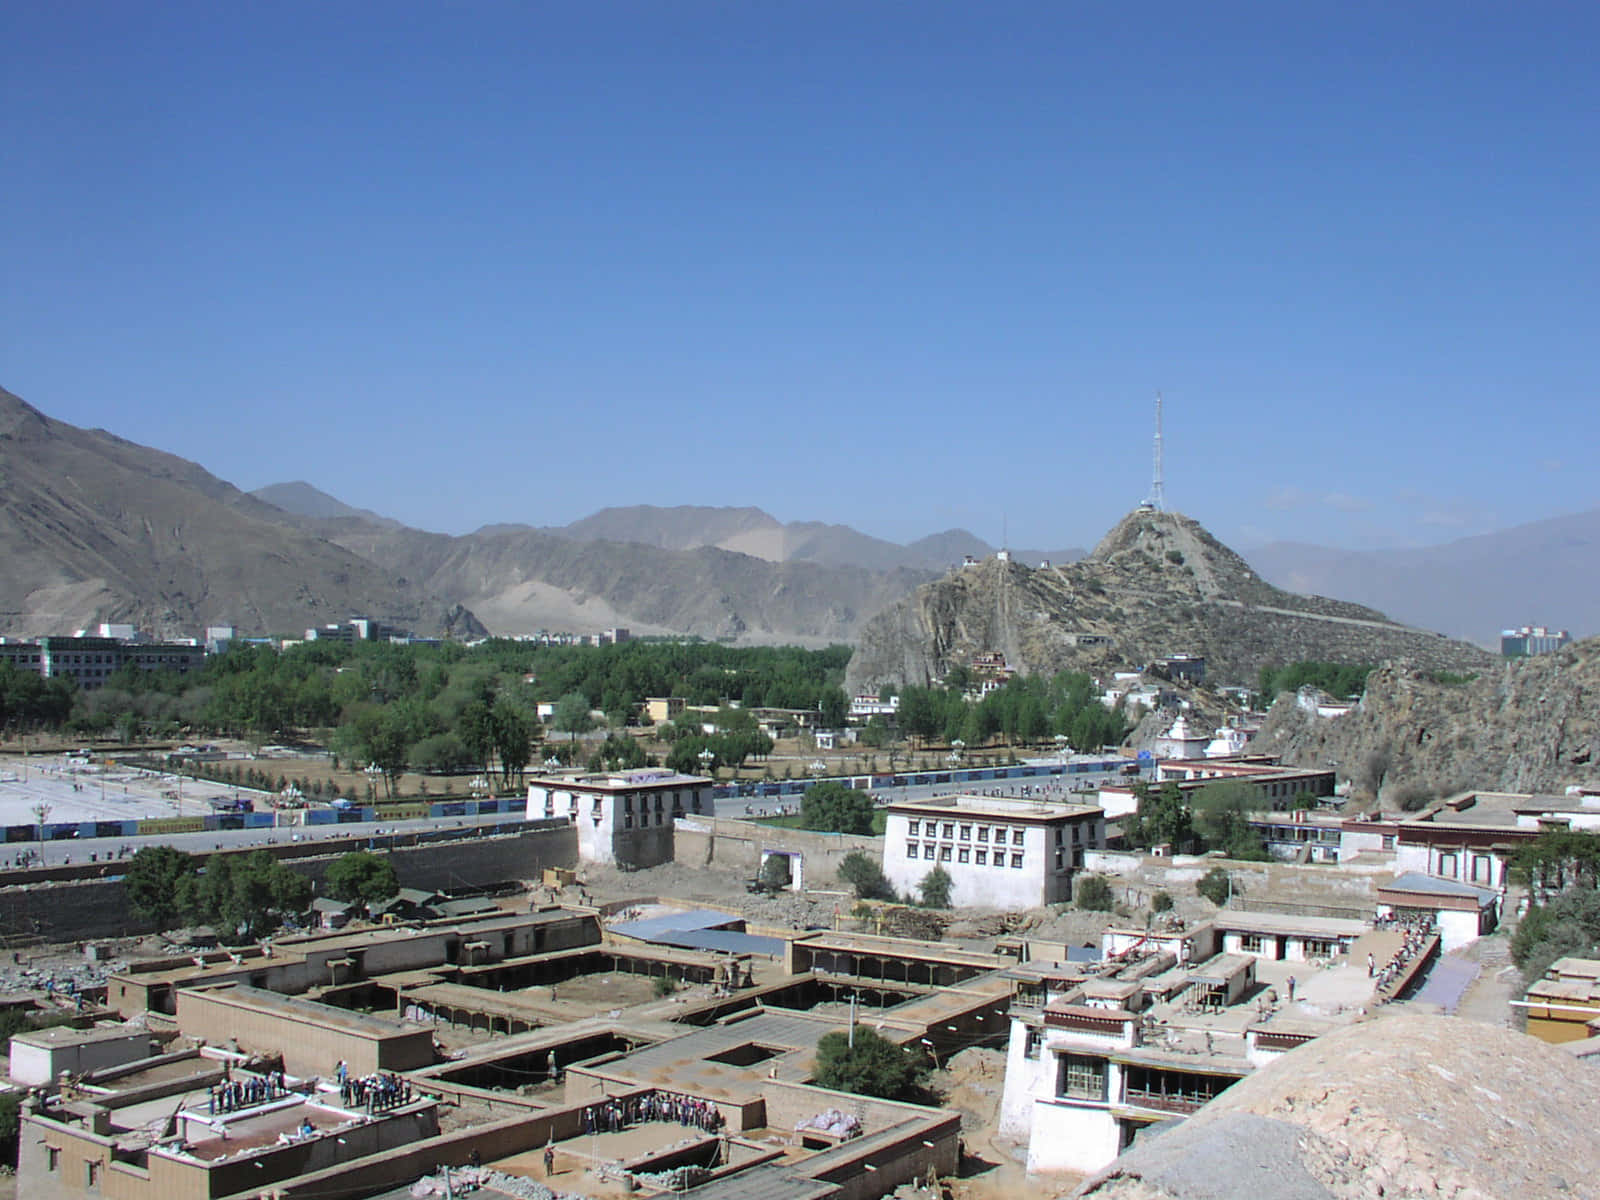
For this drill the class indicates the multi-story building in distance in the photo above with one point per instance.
(997, 851)
(1532, 639)
(622, 816)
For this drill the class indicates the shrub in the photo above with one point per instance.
(935, 888)
(1094, 894)
(664, 986)
(1161, 902)
(1216, 885)
(862, 872)
(874, 1066)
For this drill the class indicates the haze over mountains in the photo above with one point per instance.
(95, 528)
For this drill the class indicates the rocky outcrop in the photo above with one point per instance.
(1523, 725)
(1405, 1108)
(1157, 584)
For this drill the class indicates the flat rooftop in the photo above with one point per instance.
(998, 808)
(309, 1012)
(1240, 921)
(616, 781)
(59, 1036)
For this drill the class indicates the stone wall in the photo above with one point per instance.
(97, 908)
(1346, 889)
(735, 845)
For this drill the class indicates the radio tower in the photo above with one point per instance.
(1158, 491)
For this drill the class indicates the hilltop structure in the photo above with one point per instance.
(1156, 586)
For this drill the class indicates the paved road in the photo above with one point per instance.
(80, 850)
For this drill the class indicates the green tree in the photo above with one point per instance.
(154, 882)
(1568, 925)
(935, 888)
(1162, 818)
(832, 807)
(864, 873)
(513, 740)
(834, 707)
(1161, 902)
(440, 753)
(1221, 811)
(571, 715)
(1094, 894)
(873, 1066)
(248, 895)
(361, 875)
(774, 874)
(1216, 885)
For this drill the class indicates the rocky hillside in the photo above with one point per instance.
(1405, 1107)
(1157, 584)
(95, 528)
(1525, 725)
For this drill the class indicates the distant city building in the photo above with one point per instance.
(92, 660)
(868, 706)
(1532, 639)
(998, 852)
(356, 629)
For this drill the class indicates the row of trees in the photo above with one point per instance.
(245, 896)
(1215, 818)
(1028, 708)
(1337, 679)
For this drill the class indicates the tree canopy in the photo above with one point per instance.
(874, 1066)
(935, 887)
(831, 807)
(362, 875)
(154, 881)
(1162, 818)
(864, 873)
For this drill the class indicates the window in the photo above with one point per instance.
(1060, 858)
(1016, 862)
(1480, 868)
(627, 805)
(1388, 841)
(949, 829)
(627, 820)
(1447, 865)
(944, 853)
(927, 850)
(983, 833)
(964, 855)
(911, 849)
(91, 1176)
(913, 827)
(1016, 837)
(983, 858)
(1061, 834)
(999, 858)
(1082, 1077)
(1252, 943)
(966, 833)
(1318, 948)
(1030, 1048)
(53, 1158)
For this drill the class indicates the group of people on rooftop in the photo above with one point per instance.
(613, 1115)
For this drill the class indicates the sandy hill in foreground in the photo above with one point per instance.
(1402, 1107)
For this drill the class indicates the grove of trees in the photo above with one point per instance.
(873, 1066)
(832, 807)
(1029, 708)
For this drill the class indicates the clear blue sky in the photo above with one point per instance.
(905, 266)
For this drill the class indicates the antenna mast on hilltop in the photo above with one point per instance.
(1158, 491)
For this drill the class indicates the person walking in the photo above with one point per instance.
(549, 1162)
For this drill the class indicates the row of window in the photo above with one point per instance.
(965, 854)
(914, 829)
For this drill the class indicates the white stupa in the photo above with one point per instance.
(1181, 742)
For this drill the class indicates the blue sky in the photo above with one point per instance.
(903, 266)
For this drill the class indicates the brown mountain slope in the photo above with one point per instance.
(1157, 584)
(1523, 725)
(96, 528)
(522, 579)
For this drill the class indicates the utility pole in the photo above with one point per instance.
(1158, 491)
(851, 1042)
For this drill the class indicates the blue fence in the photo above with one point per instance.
(795, 787)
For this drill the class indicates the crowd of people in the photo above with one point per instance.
(235, 1094)
(1418, 929)
(609, 1116)
(376, 1092)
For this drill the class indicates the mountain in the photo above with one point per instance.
(521, 579)
(761, 535)
(1544, 573)
(1522, 725)
(96, 528)
(303, 500)
(1157, 584)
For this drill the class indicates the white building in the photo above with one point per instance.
(622, 817)
(1181, 741)
(998, 852)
